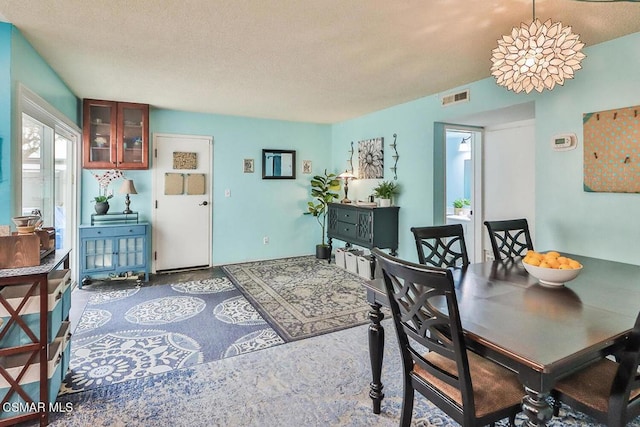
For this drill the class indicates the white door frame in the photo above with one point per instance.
(155, 189)
(440, 211)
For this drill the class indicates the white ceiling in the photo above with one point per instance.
(302, 60)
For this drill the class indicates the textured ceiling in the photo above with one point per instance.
(318, 61)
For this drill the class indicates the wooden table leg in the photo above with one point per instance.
(536, 408)
(376, 353)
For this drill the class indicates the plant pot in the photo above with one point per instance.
(457, 211)
(385, 203)
(102, 208)
(323, 252)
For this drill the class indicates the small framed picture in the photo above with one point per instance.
(306, 166)
(248, 165)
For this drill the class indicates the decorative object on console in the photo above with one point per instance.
(536, 56)
(371, 159)
(346, 176)
(395, 157)
(127, 188)
(322, 190)
(101, 200)
(385, 191)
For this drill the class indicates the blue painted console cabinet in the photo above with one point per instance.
(113, 250)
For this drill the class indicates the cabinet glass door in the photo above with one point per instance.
(133, 136)
(100, 148)
(131, 252)
(99, 134)
(98, 254)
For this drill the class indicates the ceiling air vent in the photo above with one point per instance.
(456, 98)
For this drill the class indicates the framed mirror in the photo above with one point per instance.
(278, 164)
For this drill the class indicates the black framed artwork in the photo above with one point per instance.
(278, 164)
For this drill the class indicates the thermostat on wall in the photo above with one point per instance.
(564, 142)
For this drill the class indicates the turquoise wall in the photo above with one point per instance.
(599, 224)
(257, 207)
(5, 123)
(28, 68)
(567, 219)
(21, 64)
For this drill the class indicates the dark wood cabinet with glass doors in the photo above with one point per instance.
(115, 135)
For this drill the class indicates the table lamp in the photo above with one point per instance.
(346, 176)
(127, 188)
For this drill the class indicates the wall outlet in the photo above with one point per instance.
(227, 193)
(265, 240)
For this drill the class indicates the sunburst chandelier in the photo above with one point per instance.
(536, 56)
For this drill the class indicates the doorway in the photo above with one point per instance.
(182, 214)
(463, 184)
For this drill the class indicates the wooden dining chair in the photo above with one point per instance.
(608, 391)
(441, 245)
(470, 389)
(509, 238)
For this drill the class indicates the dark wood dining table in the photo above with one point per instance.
(541, 333)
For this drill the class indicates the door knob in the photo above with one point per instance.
(205, 203)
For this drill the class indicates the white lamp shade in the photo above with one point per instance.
(346, 175)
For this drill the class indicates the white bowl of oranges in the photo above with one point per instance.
(551, 268)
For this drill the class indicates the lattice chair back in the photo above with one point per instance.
(425, 313)
(441, 246)
(509, 238)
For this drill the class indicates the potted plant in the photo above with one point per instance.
(322, 190)
(385, 191)
(466, 208)
(102, 199)
(461, 207)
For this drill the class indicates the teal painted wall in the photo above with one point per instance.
(21, 64)
(598, 224)
(257, 207)
(28, 68)
(567, 219)
(5, 123)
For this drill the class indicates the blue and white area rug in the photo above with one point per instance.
(320, 381)
(131, 332)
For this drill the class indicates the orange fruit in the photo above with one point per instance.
(553, 262)
(545, 264)
(574, 264)
(553, 254)
(533, 261)
(563, 260)
(565, 267)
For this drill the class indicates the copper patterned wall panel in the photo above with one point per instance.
(612, 151)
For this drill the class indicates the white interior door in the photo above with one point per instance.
(182, 201)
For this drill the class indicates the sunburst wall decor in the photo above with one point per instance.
(370, 159)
